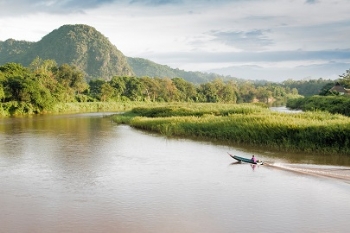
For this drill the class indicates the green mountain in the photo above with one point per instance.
(78, 45)
(87, 49)
(12, 50)
(144, 67)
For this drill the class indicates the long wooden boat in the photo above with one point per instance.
(245, 160)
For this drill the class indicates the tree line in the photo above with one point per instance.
(329, 101)
(44, 83)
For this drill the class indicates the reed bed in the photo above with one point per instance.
(101, 106)
(248, 124)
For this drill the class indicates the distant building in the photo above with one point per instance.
(337, 88)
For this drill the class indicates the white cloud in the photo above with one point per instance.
(196, 35)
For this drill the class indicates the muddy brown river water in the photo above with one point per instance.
(84, 173)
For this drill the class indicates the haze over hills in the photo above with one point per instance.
(329, 71)
(87, 49)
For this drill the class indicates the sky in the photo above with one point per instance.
(272, 40)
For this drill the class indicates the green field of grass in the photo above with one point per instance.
(317, 132)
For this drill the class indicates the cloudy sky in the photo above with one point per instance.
(256, 39)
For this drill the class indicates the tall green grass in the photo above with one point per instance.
(248, 124)
(15, 108)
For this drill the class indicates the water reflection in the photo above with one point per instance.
(253, 166)
(284, 109)
(235, 163)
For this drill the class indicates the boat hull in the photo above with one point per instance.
(245, 160)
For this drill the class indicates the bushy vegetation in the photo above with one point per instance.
(180, 90)
(309, 87)
(39, 88)
(198, 110)
(332, 104)
(312, 131)
(43, 85)
(328, 100)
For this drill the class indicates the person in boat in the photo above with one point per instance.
(253, 159)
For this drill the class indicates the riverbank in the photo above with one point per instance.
(313, 132)
(22, 109)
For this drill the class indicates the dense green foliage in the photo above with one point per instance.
(330, 101)
(248, 124)
(43, 84)
(332, 104)
(345, 79)
(180, 90)
(308, 87)
(37, 90)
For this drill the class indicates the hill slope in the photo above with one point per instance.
(12, 50)
(78, 45)
(87, 49)
(144, 67)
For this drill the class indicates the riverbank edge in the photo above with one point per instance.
(78, 107)
(268, 130)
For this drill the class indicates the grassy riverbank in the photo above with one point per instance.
(24, 109)
(319, 132)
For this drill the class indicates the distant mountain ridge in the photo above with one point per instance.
(87, 49)
(12, 50)
(144, 67)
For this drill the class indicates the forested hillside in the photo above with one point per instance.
(309, 87)
(13, 51)
(144, 67)
(78, 45)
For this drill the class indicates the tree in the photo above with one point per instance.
(325, 89)
(151, 88)
(186, 90)
(96, 88)
(2, 93)
(27, 89)
(169, 91)
(107, 92)
(13, 69)
(247, 92)
(345, 79)
(229, 92)
(133, 89)
(71, 78)
(119, 85)
(263, 94)
(2, 90)
(209, 92)
(306, 87)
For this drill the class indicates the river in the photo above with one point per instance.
(84, 173)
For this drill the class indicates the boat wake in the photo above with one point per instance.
(337, 172)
